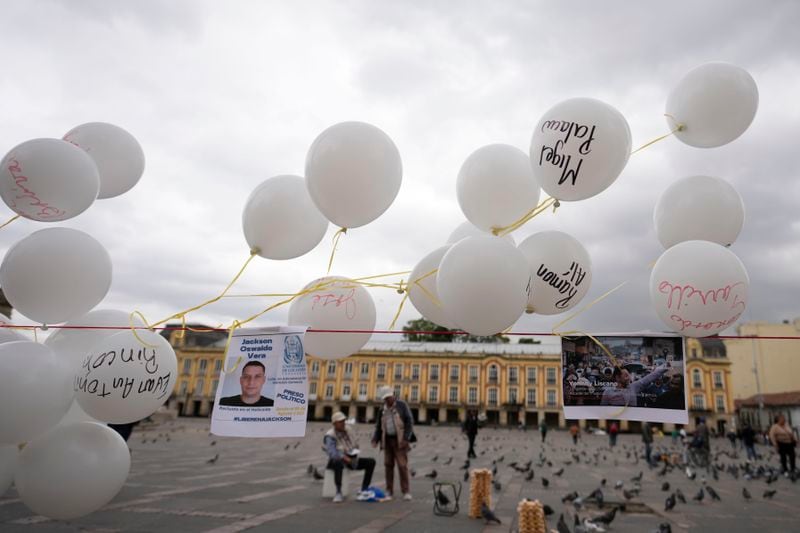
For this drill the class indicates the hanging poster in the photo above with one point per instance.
(263, 386)
(644, 379)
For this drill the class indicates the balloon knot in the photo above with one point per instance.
(44, 327)
(255, 250)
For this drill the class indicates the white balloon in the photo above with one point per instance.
(8, 465)
(715, 102)
(579, 148)
(55, 274)
(483, 284)
(48, 180)
(561, 271)
(35, 390)
(699, 288)
(699, 208)
(496, 186)
(336, 304)
(73, 470)
(76, 414)
(123, 380)
(467, 229)
(280, 220)
(8, 334)
(353, 173)
(73, 345)
(117, 154)
(422, 289)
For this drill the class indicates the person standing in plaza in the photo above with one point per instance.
(612, 434)
(543, 429)
(647, 439)
(575, 431)
(470, 428)
(782, 438)
(342, 450)
(394, 432)
(749, 442)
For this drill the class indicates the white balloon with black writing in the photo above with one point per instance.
(334, 303)
(126, 377)
(496, 186)
(468, 229)
(353, 173)
(280, 221)
(699, 208)
(483, 284)
(561, 271)
(422, 289)
(8, 465)
(48, 180)
(579, 148)
(73, 470)
(715, 103)
(117, 154)
(699, 288)
(35, 390)
(55, 274)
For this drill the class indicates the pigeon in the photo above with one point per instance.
(413, 472)
(690, 473)
(713, 494)
(680, 496)
(597, 496)
(545, 482)
(213, 459)
(501, 458)
(629, 494)
(296, 444)
(699, 496)
(448, 461)
(317, 475)
(558, 472)
(213, 443)
(562, 526)
(435, 457)
(606, 518)
(638, 477)
(670, 503)
(466, 464)
(497, 486)
(466, 476)
(286, 447)
(432, 474)
(572, 496)
(529, 476)
(548, 510)
(488, 515)
(310, 469)
(746, 494)
(768, 494)
(665, 486)
(443, 500)
(603, 482)
(664, 527)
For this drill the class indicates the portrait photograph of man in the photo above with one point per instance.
(251, 381)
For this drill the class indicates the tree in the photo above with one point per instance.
(528, 340)
(443, 334)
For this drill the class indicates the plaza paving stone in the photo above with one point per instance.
(263, 485)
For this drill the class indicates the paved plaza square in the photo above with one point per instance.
(184, 479)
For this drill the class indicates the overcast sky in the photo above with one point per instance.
(223, 95)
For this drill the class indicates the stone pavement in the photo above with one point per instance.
(263, 485)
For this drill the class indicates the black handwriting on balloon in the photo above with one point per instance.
(566, 284)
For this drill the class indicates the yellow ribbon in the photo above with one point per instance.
(9, 221)
(542, 207)
(134, 328)
(336, 237)
(678, 127)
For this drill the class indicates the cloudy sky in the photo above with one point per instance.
(223, 95)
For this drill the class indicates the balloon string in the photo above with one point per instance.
(354, 281)
(336, 237)
(543, 206)
(679, 127)
(133, 328)
(399, 309)
(234, 326)
(9, 221)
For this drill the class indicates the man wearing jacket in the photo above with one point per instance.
(342, 450)
(394, 432)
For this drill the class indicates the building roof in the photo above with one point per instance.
(777, 399)
(548, 346)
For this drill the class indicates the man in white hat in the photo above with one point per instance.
(394, 431)
(342, 451)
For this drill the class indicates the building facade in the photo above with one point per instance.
(759, 411)
(709, 389)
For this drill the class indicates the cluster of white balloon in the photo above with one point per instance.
(64, 391)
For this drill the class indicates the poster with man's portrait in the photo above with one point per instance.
(643, 378)
(263, 386)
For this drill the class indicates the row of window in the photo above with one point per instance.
(202, 366)
(199, 385)
(433, 394)
(399, 371)
(697, 379)
(699, 402)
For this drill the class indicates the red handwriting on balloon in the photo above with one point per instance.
(683, 323)
(679, 295)
(347, 300)
(46, 211)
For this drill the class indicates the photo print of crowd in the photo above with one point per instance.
(645, 372)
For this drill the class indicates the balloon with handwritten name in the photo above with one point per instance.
(561, 271)
(699, 288)
(334, 303)
(483, 284)
(496, 187)
(8, 464)
(422, 289)
(55, 274)
(468, 229)
(699, 208)
(117, 154)
(48, 180)
(353, 173)
(579, 148)
(73, 470)
(715, 102)
(35, 390)
(126, 377)
(280, 220)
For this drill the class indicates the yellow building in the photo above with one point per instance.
(709, 387)
(764, 365)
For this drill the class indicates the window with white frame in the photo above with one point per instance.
(346, 389)
(513, 374)
(348, 369)
(699, 401)
(551, 375)
(314, 368)
(381, 371)
(187, 366)
(198, 387)
(551, 398)
(312, 387)
(184, 386)
(329, 391)
(493, 372)
(453, 395)
(414, 393)
(531, 370)
(398, 371)
(455, 370)
(492, 397)
(415, 372)
(433, 394)
(214, 385)
(218, 366)
(362, 389)
(473, 373)
(512, 395)
(201, 370)
(331, 368)
(472, 395)
(433, 372)
(720, 403)
(364, 370)
(697, 379)
(717, 380)
(531, 398)
(398, 391)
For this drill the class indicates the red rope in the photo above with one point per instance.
(370, 331)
